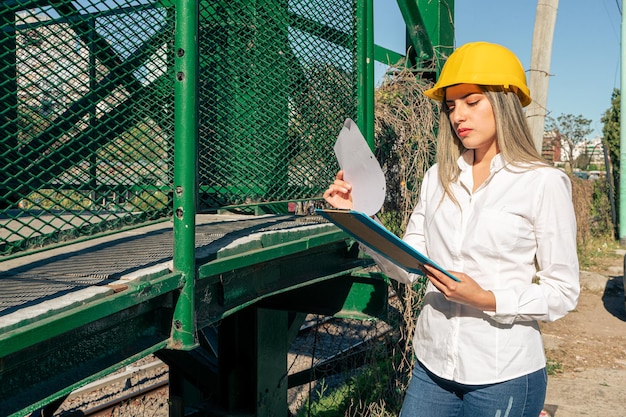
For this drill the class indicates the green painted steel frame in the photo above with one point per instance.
(365, 69)
(79, 345)
(430, 34)
(242, 280)
(252, 296)
(254, 299)
(185, 168)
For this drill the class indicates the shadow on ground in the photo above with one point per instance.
(613, 297)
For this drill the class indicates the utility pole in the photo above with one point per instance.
(545, 20)
(622, 141)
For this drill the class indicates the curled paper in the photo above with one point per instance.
(361, 169)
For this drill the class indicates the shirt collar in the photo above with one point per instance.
(466, 160)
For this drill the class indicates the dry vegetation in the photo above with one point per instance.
(595, 228)
(405, 132)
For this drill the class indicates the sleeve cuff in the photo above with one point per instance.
(506, 306)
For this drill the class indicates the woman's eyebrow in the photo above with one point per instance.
(462, 97)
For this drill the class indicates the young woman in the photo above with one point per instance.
(497, 216)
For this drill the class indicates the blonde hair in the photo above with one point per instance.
(513, 135)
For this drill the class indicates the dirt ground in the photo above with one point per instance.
(588, 348)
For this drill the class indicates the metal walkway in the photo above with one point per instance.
(73, 314)
(48, 277)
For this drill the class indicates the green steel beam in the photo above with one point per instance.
(185, 169)
(386, 56)
(253, 363)
(26, 334)
(622, 131)
(365, 69)
(325, 32)
(416, 29)
(238, 280)
(353, 296)
(269, 248)
(430, 31)
(8, 112)
(46, 359)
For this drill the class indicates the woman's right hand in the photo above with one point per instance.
(339, 192)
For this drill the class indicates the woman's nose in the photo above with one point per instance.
(458, 114)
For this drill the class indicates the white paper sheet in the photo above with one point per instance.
(361, 169)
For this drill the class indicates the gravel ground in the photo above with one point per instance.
(331, 338)
(127, 381)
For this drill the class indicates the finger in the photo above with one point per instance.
(438, 284)
(340, 187)
(440, 275)
(433, 271)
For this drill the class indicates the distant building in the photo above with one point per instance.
(551, 148)
(592, 148)
(587, 152)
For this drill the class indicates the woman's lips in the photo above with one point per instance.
(463, 132)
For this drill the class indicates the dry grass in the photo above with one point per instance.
(405, 131)
(595, 228)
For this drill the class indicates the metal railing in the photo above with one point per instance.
(87, 118)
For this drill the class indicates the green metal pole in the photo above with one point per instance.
(622, 148)
(365, 69)
(185, 169)
(430, 32)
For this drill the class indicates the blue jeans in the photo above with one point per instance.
(430, 396)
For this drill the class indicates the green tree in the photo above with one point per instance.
(611, 132)
(611, 139)
(569, 130)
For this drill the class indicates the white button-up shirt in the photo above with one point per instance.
(516, 236)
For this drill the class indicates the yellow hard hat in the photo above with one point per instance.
(482, 63)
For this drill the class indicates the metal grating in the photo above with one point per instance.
(44, 280)
(87, 118)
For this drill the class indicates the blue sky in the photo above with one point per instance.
(585, 64)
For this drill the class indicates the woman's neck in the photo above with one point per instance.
(481, 168)
(484, 156)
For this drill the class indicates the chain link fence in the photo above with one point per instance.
(87, 122)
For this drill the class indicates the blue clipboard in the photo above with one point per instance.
(372, 234)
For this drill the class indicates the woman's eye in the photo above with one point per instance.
(472, 103)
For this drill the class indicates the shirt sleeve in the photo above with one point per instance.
(414, 236)
(555, 291)
(388, 268)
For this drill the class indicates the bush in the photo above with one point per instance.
(593, 216)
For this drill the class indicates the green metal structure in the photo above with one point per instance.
(132, 131)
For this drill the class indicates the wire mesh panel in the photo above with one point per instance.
(87, 120)
(277, 80)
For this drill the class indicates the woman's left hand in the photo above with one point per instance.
(465, 292)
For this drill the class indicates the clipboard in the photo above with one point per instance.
(372, 234)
